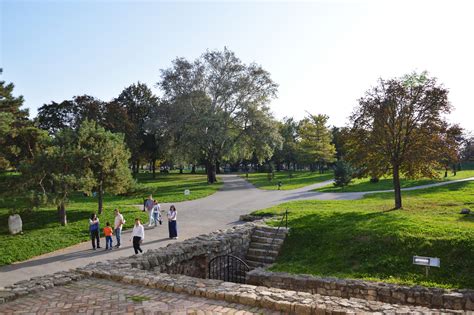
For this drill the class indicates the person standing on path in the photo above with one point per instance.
(94, 230)
(108, 236)
(138, 235)
(172, 226)
(118, 223)
(148, 207)
(156, 213)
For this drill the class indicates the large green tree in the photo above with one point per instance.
(54, 117)
(218, 103)
(104, 159)
(316, 145)
(55, 172)
(398, 129)
(288, 153)
(139, 103)
(20, 140)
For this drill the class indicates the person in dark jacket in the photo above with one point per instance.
(94, 230)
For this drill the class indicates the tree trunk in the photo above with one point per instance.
(217, 167)
(193, 169)
(445, 172)
(100, 199)
(62, 214)
(181, 170)
(396, 187)
(211, 172)
(153, 168)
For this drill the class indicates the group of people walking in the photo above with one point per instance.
(153, 209)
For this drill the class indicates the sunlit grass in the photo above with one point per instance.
(366, 239)
(289, 180)
(43, 233)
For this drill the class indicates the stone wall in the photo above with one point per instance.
(286, 301)
(371, 291)
(191, 257)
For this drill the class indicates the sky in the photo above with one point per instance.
(323, 54)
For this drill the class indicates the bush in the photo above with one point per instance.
(342, 174)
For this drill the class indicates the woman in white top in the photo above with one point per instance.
(138, 235)
(172, 227)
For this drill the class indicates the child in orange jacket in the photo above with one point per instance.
(108, 236)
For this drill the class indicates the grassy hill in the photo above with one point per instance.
(365, 239)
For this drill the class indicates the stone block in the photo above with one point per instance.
(15, 225)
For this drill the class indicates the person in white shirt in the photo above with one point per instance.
(172, 227)
(155, 213)
(138, 235)
(118, 224)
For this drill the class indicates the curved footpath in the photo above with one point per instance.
(218, 211)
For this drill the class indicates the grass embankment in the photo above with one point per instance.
(289, 180)
(364, 184)
(42, 233)
(364, 239)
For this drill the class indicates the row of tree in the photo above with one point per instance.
(214, 110)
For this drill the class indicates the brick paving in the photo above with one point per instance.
(98, 296)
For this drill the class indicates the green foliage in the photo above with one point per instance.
(138, 298)
(104, 161)
(315, 144)
(288, 153)
(342, 174)
(363, 239)
(398, 129)
(216, 108)
(19, 139)
(138, 102)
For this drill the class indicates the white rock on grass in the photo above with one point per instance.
(15, 224)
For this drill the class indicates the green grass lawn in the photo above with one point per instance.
(364, 239)
(290, 180)
(42, 233)
(364, 184)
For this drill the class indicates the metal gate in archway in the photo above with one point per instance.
(228, 268)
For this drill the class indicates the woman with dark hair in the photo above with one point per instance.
(94, 230)
(172, 227)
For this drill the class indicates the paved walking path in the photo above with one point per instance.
(218, 211)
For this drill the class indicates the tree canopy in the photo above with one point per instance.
(217, 104)
(398, 129)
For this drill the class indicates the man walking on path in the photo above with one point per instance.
(149, 204)
(118, 224)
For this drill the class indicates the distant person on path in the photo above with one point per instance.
(108, 236)
(94, 230)
(138, 235)
(148, 205)
(172, 227)
(118, 224)
(156, 213)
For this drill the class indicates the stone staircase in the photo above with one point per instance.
(265, 245)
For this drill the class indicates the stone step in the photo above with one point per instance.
(266, 240)
(261, 252)
(266, 246)
(271, 229)
(255, 264)
(269, 234)
(262, 259)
